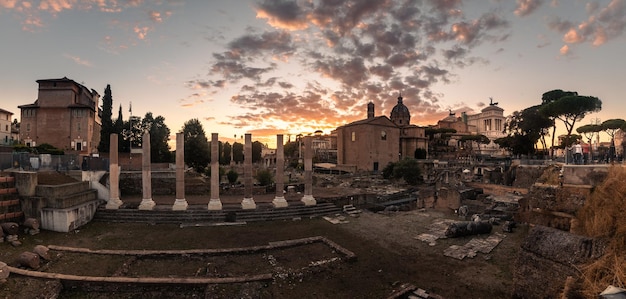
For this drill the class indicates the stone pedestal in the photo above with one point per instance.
(114, 201)
(308, 199)
(215, 203)
(279, 201)
(248, 201)
(248, 204)
(146, 175)
(180, 204)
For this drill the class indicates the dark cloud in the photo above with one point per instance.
(284, 14)
(234, 70)
(277, 43)
(445, 6)
(349, 72)
(558, 25)
(353, 52)
(455, 53)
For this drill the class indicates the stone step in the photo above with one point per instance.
(72, 199)
(200, 216)
(351, 210)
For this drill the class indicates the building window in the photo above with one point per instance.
(78, 113)
(29, 112)
(27, 127)
(353, 136)
(6, 128)
(78, 127)
(383, 135)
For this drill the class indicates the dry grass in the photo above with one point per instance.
(604, 216)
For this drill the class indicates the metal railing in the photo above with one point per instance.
(44, 162)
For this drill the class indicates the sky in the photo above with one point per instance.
(290, 67)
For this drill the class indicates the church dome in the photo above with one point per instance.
(400, 114)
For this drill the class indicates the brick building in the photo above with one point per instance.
(65, 115)
(372, 143)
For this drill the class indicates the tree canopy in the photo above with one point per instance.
(571, 108)
(159, 138)
(526, 126)
(197, 153)
(610, 126)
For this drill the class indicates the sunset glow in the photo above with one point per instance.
(296, 66)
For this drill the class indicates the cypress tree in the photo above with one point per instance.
(107, 121)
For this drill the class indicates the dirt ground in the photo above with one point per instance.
(388, 255)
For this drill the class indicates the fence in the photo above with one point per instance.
(27, 161)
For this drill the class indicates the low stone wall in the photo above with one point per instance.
(526, 175)
(590, 175)
(61, 191)
(547, 257)
(448, 199)
(552, 206)
(163, 183)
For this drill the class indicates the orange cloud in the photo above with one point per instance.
(572, 37)
(141, 31)
(279, 23)
(78, 60)
(55, 6)
(8, 3)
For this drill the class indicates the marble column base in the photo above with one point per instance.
(147, 204)
(308, 200)
(248, 204)
(279, 202)
(180, 205)
(215, 204)
(113, 204)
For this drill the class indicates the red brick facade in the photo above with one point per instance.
(65, 115)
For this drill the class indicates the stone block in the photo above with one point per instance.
(68, 219)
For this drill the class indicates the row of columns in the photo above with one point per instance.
(180, 203)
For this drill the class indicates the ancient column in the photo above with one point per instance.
(146, 174)
(180, 203)
(279, 201)
(215, 203)
(247, 202)
(308, 199)
(114, 201)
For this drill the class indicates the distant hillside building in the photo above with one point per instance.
(489, 122)
(372, 143)
(65, 115)
(5, 127)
